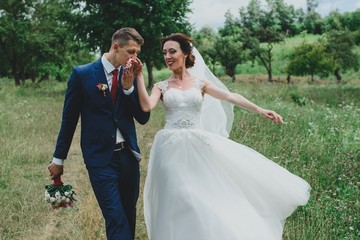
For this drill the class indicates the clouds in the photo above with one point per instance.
(211, 12)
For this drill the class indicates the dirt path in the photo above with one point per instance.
(74, 171)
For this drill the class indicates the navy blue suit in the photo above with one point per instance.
(114, 175)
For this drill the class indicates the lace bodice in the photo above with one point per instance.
(182, 107)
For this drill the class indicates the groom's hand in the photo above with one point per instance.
(55, 170)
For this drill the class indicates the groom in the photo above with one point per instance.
(108, 104)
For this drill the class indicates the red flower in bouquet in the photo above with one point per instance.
(59, 195)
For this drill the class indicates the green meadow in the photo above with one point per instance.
(320, 142)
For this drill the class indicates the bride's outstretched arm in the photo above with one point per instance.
(240, 101)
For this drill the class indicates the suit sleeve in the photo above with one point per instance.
(70, 116)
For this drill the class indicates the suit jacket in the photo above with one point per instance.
(99, 116)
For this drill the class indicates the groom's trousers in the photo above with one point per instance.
(116, 188)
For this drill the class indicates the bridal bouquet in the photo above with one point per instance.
(59, 195)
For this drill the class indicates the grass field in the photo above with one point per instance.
(320, 141)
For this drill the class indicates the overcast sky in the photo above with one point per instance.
(211, 12)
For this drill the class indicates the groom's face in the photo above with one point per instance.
(130, 50)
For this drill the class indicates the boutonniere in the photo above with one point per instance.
(102, 87)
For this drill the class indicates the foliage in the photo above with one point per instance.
(43, 39)
(204, 40)
(337, 21)
(313, 22)
(36, 39)
(333, 21)
(310, 59)
(340, 44)
(230, 54)
(287, 20)
(228, 47)
(97, 20)
(15, 35)
(261, 29)
(298, 99)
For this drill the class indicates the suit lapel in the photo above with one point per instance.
(101, 78)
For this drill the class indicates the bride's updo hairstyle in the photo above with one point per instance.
(185, 45)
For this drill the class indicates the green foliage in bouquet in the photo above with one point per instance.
(59, 195)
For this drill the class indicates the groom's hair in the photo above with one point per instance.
(123, 35)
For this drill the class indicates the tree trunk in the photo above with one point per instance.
(16, 76)
(15, 73)
(270, 65)
(233, 78)
(17, 81)
(266, 65)
(149, 66)
(270, 76)
(337, 75)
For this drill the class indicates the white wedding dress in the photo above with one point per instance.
(202, 186)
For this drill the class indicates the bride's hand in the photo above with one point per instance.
(133, 65)
(273, 116)
(132, 68)
(137, 66)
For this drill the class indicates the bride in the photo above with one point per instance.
(201, 185)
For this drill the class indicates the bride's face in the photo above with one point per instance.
(173, 55)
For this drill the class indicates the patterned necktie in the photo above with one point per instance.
(114, 86)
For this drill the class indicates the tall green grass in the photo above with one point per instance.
(319, 142)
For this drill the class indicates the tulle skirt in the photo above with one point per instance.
(201, 186)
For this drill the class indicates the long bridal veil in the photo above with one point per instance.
(216, 116)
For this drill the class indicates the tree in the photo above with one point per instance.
(229, 52)
(97, 20)
(351, 20)
(310, 59)
(260, 30)
(340, 44)
(205, 43)
(313, 22)
(14, 32)
(228, 46)
(35, 38)
(333, 21)
(287, 20)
